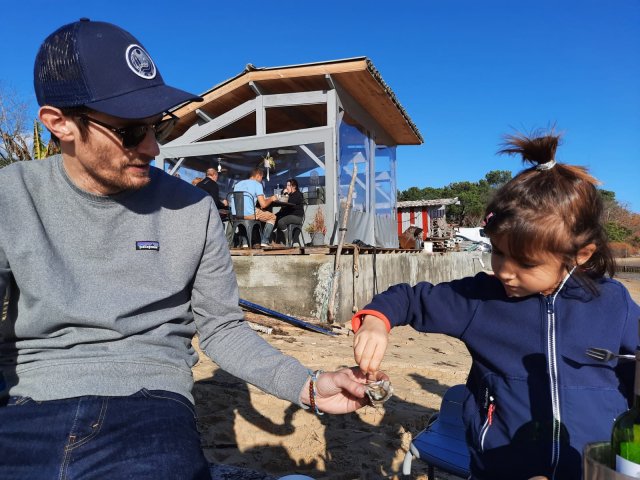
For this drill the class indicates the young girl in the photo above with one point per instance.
(535, 399)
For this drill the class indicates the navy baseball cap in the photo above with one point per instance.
(101, 66)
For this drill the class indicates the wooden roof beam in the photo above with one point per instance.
(203, 116)
(330, 82)
(255, 88)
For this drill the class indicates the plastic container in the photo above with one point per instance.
(596, 460)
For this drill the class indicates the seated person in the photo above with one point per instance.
(253, 185)
(210, 185)
(290, 214)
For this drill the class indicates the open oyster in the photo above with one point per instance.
(379, 392)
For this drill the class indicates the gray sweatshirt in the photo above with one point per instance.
(106, 293)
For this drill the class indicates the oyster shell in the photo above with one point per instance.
(379, 392)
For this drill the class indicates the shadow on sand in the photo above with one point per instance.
(382, 438)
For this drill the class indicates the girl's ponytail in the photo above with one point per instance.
(538, 151)
(551, 206)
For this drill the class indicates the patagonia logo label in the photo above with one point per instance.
(148, 245)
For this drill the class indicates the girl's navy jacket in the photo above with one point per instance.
(535, 399)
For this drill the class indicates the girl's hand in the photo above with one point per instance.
(342, 391)
(370, 344)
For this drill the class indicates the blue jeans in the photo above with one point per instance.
(148, 435)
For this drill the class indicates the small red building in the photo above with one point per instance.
(424, 214)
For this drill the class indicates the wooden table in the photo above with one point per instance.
(282, 203)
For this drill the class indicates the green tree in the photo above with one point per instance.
(415, 193)
(617, 232)
(497, 178)
(622, 225)
(473, 197)
(608, 195)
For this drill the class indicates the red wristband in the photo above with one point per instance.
(356, 320)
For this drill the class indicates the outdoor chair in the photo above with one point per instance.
(294, 234)
(245, 227)
(442, 444)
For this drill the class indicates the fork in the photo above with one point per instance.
(604, 355)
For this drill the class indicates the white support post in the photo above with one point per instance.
(261, 116)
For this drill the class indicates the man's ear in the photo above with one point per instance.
(584, 254)
(57, 123)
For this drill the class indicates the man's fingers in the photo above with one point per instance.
(348, 382)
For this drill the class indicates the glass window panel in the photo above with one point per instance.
(354, 148)
(385, 166)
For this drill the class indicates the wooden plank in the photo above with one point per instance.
(256, 252)
(323, 250)
(241, 252)
(317, 250)
(281, 251)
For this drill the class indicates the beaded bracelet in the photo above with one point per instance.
(312, 391)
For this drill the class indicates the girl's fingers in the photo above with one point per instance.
(368, 354)
(376, 357)
(361, 353)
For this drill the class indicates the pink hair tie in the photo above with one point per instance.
(489, 216)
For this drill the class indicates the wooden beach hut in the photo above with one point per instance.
(311, 122)
(427, 215)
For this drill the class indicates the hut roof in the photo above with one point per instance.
(357, 76)
(428, 203)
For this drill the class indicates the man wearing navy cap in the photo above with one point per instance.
(106, 291)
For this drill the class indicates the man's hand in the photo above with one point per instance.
(370, 344)
(342, 391)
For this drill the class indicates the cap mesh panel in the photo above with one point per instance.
(59, 78)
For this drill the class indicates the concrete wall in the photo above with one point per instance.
(299, 285)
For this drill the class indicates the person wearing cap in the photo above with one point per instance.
(105, 291)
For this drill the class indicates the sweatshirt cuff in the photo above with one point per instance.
(356, 320)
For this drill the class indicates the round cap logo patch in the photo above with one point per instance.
(140, 62)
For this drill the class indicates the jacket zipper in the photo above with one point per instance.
(490, 406)
(553, 382)
(552, 362)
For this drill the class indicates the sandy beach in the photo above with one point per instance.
(243, 426)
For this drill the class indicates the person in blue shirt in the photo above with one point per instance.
(534, 398)
(253, 185)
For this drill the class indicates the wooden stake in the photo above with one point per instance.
(331, 314)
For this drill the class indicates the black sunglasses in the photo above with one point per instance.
(133, 135)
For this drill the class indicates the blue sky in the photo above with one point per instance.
(466, 71)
